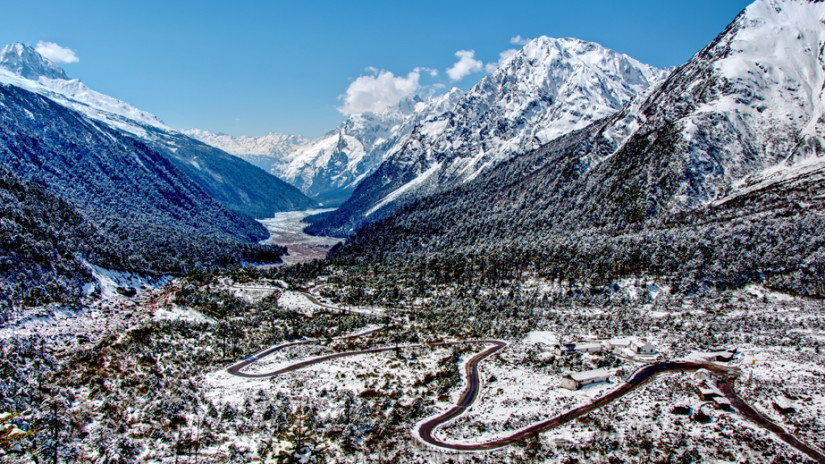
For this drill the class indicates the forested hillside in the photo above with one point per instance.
(131, 209)
(521, 217)
(40, 236)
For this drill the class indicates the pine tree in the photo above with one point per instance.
(298, 442)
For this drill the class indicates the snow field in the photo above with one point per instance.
(295, 301)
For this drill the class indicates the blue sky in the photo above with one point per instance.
(252, 67)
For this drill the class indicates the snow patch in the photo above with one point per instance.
(108, 281)
(409, 186)
(180, 313)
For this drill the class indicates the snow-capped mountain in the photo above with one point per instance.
(264, 151)
(729, 145)
(745, 111)
(549, 88)
(233, 182)
(328, 168)
(26, 62)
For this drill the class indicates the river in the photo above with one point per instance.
(286, 229)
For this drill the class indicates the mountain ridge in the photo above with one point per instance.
(549, 88)
(157, 219)
(688, 180)
(235, 183)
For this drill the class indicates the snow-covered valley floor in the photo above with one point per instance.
(286, 229)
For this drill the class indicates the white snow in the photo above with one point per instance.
(286, 229)
(295, 301)
(590, 375)
(549, 339)
(179, 313)
(108, 281)
(406, 188)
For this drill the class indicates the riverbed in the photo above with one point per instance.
(286, 229)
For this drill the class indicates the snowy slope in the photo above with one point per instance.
(771, 92)
(746, 110)
(236, 184)
(22, 66)
(547, 89)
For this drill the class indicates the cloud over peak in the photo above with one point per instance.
(519, 40)
(502, 57)
(376, 90)
(466, 65)
(379, 91)
(55, 53)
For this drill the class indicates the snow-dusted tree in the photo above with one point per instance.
(297, 442)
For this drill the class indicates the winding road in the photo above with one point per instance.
(639, 378)
(236, 368)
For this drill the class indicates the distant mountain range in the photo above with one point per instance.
(330, 167)
(264, 152)
(379, 162)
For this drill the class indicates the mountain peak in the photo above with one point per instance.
(562, 55)
(549, 88)
(26, 62)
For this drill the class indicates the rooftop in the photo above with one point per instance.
(588, 375)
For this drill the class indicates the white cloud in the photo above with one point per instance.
(490, 67)
(432, 72)
(55, 53)
(466, 64)
(519, 40)
(373, 94)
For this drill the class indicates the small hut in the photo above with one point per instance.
(784, 405)
(579, 379)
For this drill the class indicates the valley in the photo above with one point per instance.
(572, 256)
(286, 229)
